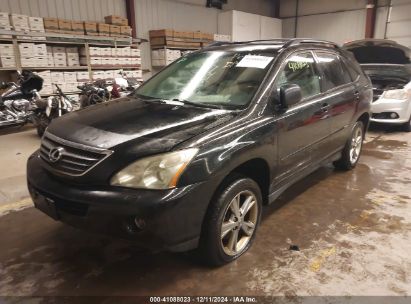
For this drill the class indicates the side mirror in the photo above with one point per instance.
(290, 94)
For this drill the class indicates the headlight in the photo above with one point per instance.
(155, 172)
(400, 94)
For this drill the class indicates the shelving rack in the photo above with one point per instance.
(68, 40)
(165, 47)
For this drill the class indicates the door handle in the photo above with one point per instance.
(357, 95)
(325, 107)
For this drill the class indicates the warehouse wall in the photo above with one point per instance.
(399, 22)
(93, 10)
(338, 21)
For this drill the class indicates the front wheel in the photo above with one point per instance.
(231, 222)
(352, 150)
(407, 126)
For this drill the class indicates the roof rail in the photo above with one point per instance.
(298, 41)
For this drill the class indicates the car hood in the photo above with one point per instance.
(379, 51)
(123, 120)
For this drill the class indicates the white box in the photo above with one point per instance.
(40, 61)
(125, 52)
(47, 89)
(4, 19)
(19, 20)
(98, 75)
(83, 76)
(105, 52)
(108, 75)
(26, 49)
(70, 76)
(28, 61)
(73, 62)
(57, 77)
(71, 50)
(60, 62)
(38, 38)
(135, 53)
(59, 50)
(106, 61)
(95, 61)
(50, 61)
(40, 49)
(7, 50)
(8, 62)
(222, 38)
(94, 51)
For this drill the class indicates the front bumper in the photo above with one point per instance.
(157, 220)
(381, 106)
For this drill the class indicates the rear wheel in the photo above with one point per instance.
(231, 222)
(352, 150)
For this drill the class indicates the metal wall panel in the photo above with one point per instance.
(399, 22)
(337, 27)
(90, 10)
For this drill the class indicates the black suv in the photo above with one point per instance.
(190, 160)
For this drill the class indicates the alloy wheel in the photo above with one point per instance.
(239, 223)
(356, 145)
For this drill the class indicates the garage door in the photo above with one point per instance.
(399, 22)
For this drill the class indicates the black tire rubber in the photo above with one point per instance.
(407, 126)
(210, 250)
(344, 163)
(42, 124)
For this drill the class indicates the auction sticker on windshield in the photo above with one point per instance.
(254, 61)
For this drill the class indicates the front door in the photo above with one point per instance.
(304, 127)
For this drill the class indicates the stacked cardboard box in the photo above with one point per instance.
(37, 26)
(172, 38)
(47, 82)
(70, 82)
(83, 77)
(20, 23)
(103, 29)
(59, 56)
(106, 56)
(51, 25)
(26, 51)
(7, 57)
(73, 57)
(90, 28)
(222, 38)
(5, 24)
(164, 57)
(57, 78)
(77, 27)
(116, 20)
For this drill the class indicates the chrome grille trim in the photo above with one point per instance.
(76, 160)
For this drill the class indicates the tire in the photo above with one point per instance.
(42, 124)
(407, 126)
(348, 161)
(215, 250)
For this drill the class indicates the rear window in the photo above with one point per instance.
(335, 73)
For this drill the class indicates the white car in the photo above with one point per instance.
(387, 63)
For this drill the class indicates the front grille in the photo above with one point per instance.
(71, 158)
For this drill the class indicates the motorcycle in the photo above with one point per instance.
(94, 93)
(18, 101)
(52, 108)
(123, 86)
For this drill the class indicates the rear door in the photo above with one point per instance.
(340, 96)
(303, 127)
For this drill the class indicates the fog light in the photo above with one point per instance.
(394, 115)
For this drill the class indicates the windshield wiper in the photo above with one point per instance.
(198, 104)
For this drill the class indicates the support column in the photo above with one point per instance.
(131, 16)
(370, 19)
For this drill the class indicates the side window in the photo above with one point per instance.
(351, 70)
(335, 74)
(300, 69)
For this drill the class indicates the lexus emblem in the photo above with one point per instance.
(55, 154)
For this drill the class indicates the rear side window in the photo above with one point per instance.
(300, 69)
(335, 73)
(351, 69)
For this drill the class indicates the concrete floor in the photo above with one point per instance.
(353, 230)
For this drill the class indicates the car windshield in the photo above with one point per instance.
(226, 79)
